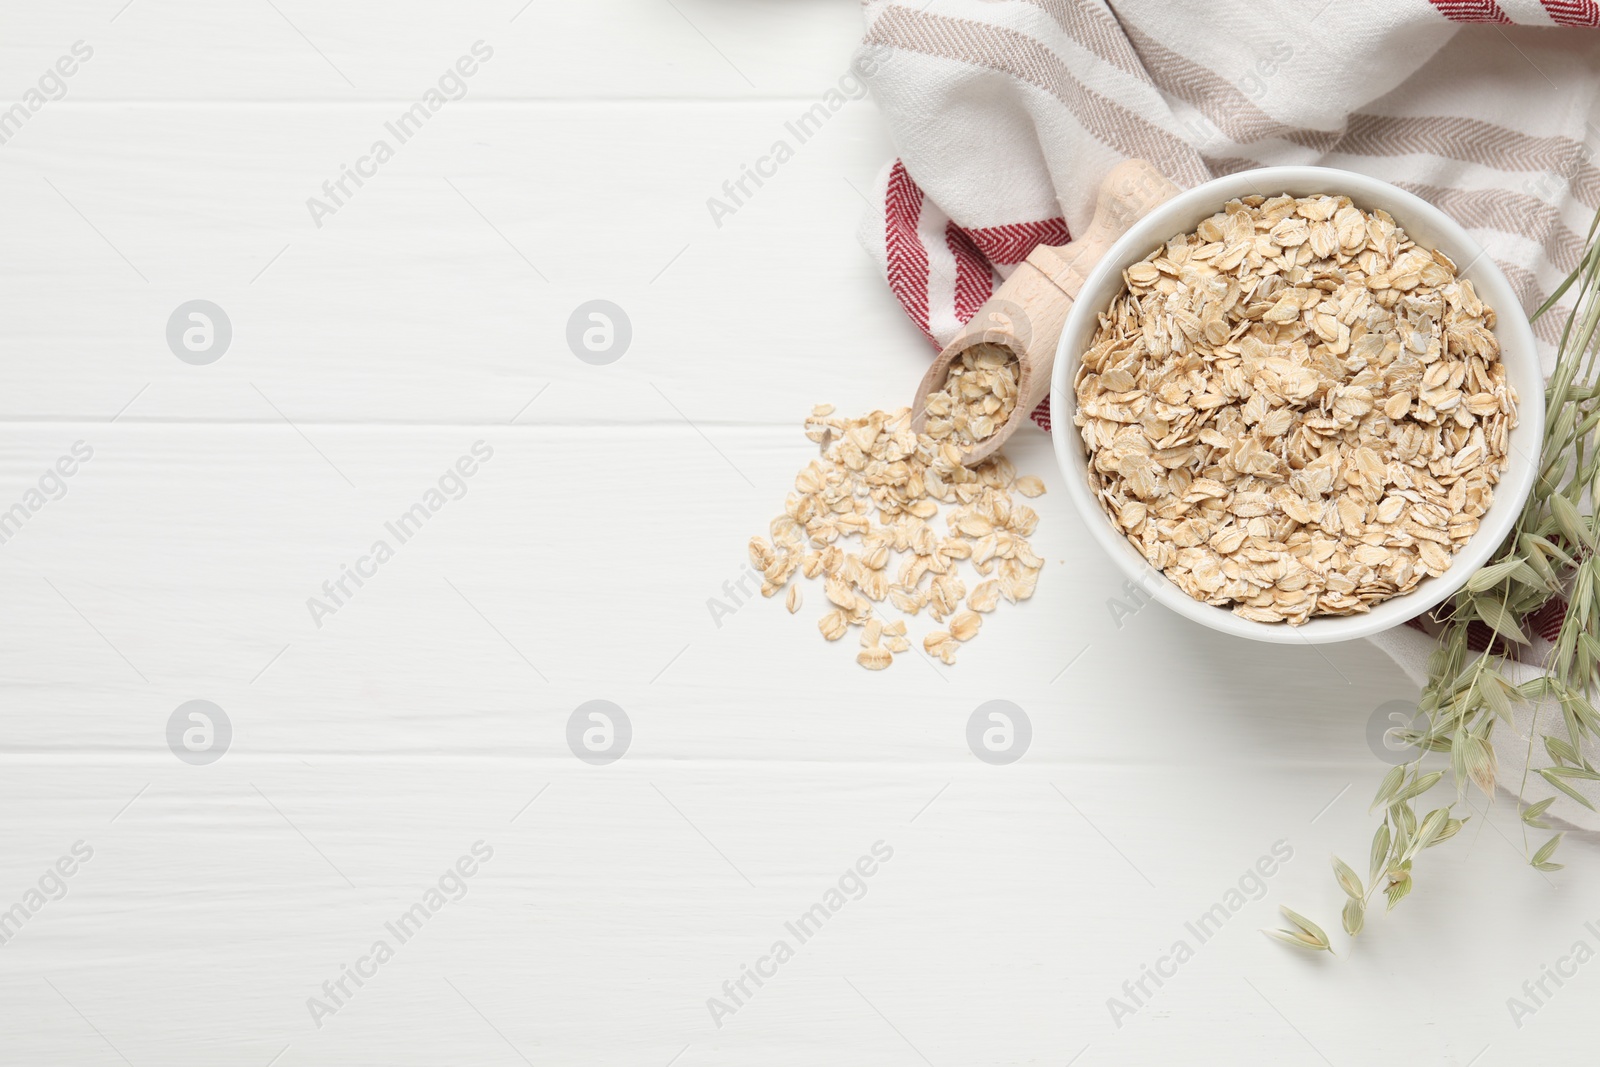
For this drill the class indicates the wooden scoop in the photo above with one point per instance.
(1026, 313)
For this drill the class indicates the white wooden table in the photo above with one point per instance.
(429, 710)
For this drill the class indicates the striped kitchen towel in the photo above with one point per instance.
(1006, 115)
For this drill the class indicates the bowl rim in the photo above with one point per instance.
(1519, 352)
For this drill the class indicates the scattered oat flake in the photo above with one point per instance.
(964, 627)
(940, 645)
(874, 658)
(832, 625)
(1030, 486)
(985, 596)
(885, 516)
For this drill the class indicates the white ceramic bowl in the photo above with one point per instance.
(1426, 225)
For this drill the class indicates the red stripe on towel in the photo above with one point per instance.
(974, 277)
(1005, 245)
(1471, 11)
(908, 259)
(1572, 12)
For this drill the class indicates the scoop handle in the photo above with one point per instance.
(1028, 310)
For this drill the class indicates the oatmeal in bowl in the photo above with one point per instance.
(1289, 412)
